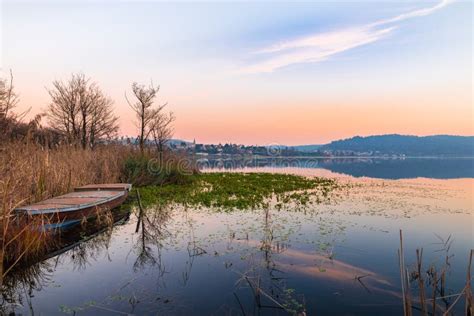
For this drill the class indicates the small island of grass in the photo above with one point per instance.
(229, 191)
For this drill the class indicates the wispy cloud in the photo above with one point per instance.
(413, 14)
(316, 48)
(319, 47)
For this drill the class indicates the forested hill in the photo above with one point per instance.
(438, 145)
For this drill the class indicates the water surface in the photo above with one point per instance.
(373, 167)
(334, 258)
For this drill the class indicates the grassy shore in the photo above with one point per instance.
(30, 173)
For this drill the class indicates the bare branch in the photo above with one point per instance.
(148, 117)
(81, 111)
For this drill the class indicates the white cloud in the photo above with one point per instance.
(319, 47)
(413, 14)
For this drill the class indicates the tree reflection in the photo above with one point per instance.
(152, 234)
(19, 285)
(77, 247)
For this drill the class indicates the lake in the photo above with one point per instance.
(381, 168)
(338, 257)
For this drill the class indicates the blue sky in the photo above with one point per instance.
(262, 72)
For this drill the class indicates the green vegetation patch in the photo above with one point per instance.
(227, 191)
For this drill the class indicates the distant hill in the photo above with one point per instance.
(174, 142)
(306, 148)
(380, 145)
(394, 144)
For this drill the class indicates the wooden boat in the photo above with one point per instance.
(105, 187)
(72, 208)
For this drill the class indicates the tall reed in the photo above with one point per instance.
(30, 173)
(438, 284)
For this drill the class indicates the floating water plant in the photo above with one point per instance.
(227, 191)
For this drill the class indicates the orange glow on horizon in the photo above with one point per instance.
(309, 123)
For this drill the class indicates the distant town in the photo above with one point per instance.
(389, 146)
(265, 151)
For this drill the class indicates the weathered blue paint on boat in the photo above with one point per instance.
(61, 225)
(70, 209)
(105, 187)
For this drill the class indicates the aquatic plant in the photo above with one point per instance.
(228, 191)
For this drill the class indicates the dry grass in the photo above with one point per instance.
(436, 277)
(29, 173)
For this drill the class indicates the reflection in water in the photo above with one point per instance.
(278, 261)
(333, 258)
(265, 279)
(151, 235)
(437, 168)
(18, 287)
(72, 247)
(381, 168)
(83, 254)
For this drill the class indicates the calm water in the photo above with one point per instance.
(380, 168)
(336, 258)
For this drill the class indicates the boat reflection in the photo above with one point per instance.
(25, 277)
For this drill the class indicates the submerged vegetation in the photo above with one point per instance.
(241, 191)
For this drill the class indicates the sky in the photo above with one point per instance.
(256, 72)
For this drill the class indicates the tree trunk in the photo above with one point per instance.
(161, 153)
(84, 130)
(142, 131)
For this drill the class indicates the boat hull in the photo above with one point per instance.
(68, 219)
(72, 208)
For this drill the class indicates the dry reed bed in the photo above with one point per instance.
(29, 173)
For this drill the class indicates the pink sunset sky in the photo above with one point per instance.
(284, 73)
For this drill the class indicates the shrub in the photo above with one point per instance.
(148, 169)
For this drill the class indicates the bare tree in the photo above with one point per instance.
(8, 101)
(162, 129)
(145, 111)
(8, 98)
(63, 112)
(103, 123)
(81, 111)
